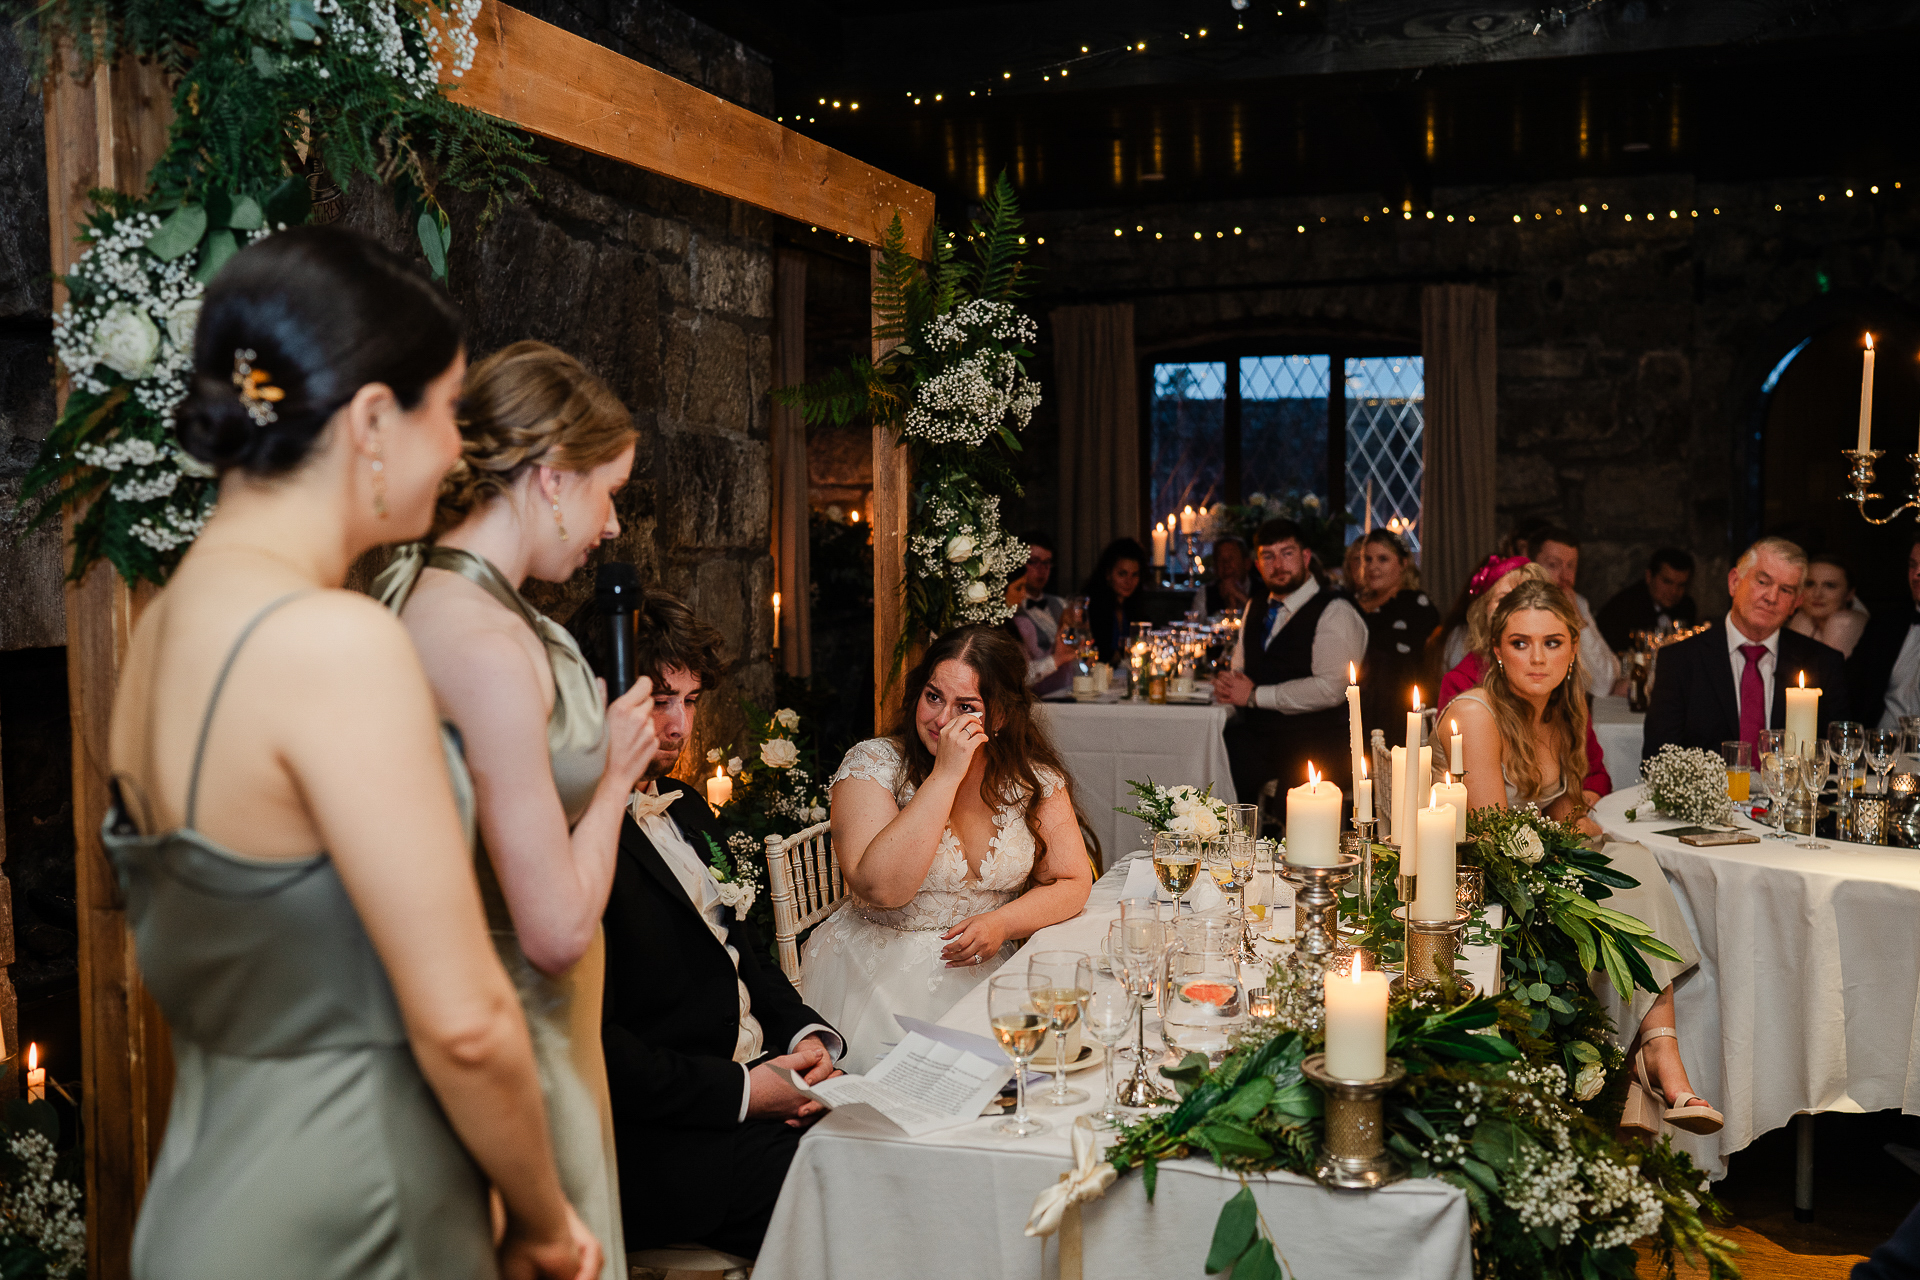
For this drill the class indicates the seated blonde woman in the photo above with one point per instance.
(1525, 730)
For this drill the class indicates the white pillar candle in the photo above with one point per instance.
(1186, 520)
(1363, 796)
(719, 788)
(1357, 1025)
(1449, 792)
(1803, 716)
(1159, 546)
(37, 1075)
(1313, 822)
(1866, 397)
(1457, 757)
(1433, 892)
(1354, 738)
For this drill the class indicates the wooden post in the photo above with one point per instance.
(106, 131)
(888, 508)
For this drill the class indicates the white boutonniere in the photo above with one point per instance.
(738, 881)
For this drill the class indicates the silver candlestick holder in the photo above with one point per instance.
(1363, 829)
(1430, 948)
(1301, 1002)
(1860, 483)
(1354, 1154)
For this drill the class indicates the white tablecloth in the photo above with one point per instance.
(862, 1204)
(1807, 997)
(1108, 744)
(1621, 733)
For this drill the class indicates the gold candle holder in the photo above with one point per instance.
(1470, 889)
(1354, 1154)
(1870, 820)
(1430, 948)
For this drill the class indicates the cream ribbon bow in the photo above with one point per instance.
(649, 804)
(1058, 1207)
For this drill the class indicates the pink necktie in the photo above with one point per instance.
(1753, 696)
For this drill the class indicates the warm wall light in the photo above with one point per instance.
(854, 515)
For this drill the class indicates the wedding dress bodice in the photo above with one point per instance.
(950, 892)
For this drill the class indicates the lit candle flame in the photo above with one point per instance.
(720, 771)
(1352, 676)
(1803, 679)
(1456, 727)
(854, 515)
(1869, 342)
(33, 1056)
(1313, 776)
(1416, 697)
(1446, 778)
(1363, 771)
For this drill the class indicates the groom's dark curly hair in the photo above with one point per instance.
(666, 634)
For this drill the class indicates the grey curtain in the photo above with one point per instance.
(1456, 492)
(791, 567)
(1096, 386)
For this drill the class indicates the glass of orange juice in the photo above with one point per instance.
(1739, 758)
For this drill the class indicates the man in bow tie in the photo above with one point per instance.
(695, 1020)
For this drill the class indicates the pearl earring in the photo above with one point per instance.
(379, 482)
(558, 522)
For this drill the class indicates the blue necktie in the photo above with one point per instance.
(1273, 614)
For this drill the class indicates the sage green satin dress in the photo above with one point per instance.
(302, 1139)
(563, 1013)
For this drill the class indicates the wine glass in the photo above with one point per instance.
(1143, 942)
(1176, 861)
(1848, 739)
(1110, 1007)
(1780, 771)
(1019, 1028)
(1814, 759)
(1882, 748)
(1065, 978)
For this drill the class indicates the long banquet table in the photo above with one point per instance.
(1807, 998)
(1109, 743)
(867, 1203)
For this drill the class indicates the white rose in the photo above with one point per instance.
(1182, 823)
(1183, 804)
(787, 718)
(1310, 503)
(976, 592)
(1205, 822)
(836, 513)
(180, 322)
(1524, 846)
(1257, 500)
(816, 814)
(735, 765)
(779, 753)
(1587, 1085)
(126, 342)
(713, 755)
(959, 547)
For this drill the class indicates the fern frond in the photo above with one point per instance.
(995, 275)
(844, 395)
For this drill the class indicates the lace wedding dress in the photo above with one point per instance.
(865, 964)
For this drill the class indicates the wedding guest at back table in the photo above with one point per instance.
(1523, 730)
(694, 1012)
(545, 446)
(1829, 611)
(1661, 600)
(1399, 619)
(958, 837)
(1036, 618)
(1113, 597)
(1487, 588)
(352, 1069)
(1289, 675)
(1232, 584)
(1353, 566)
(1730, 681)
(1884, 672)
(1558, 552)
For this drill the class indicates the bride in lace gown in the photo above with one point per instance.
(958, 838)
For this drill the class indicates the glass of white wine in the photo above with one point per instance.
(1065, 978)
(1176, 861)
(1019, 1028)
(1110, 1007)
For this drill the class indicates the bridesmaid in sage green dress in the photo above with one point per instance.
(351, 1066)
(546, 445)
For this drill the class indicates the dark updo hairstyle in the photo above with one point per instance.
(325, 312)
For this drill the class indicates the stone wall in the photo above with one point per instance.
(1630, 353)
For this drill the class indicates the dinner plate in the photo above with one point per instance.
(1092, 1054)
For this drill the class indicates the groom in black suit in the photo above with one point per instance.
(694, 1021)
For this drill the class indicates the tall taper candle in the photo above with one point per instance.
(1412, 786)
(1354, 735)
(1457, 756)
(1357, 1025)
(1866, 397)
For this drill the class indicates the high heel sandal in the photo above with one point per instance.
(1644, 1110)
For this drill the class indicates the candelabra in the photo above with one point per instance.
(1860, 484)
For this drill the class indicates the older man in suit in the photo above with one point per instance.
(1729, 682)
(695, 1021)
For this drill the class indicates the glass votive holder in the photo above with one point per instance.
(1470, 887)
(1261, 1004)
(1870, 820)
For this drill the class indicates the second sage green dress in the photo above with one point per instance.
(563, 1013)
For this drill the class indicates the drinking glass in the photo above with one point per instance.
(1883, 747)
(1909, 734)
(1019, 1028)
(1241, 819)
(1770, 742)
(1848, 739)
(1064, 978)
(1739, 770)
(1143, 942)
(1176, 861)
(1110, 1007)
(1814, 759)
(1780, 772)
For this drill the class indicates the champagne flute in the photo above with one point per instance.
(1241, 819)
(1176, 861)
(1143, 943)
(1064, 978)
(1780, 771)
(1814, 758)
(1019, 1029)
(1882, 747)
(1109, 1008)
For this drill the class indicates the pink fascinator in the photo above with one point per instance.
(1492, 571)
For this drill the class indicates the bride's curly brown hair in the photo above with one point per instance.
(527, 405)
(1018, 747)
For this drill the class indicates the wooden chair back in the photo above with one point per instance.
(804, 881)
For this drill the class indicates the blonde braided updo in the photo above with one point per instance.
(528, 405)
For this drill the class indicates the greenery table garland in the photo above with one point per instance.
(262, 90)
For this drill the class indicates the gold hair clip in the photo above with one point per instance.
(257, 391)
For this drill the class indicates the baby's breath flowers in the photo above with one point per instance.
(1687, 784)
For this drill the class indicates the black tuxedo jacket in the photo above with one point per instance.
(669, 1022)
(1870, 669)
(1696, 702)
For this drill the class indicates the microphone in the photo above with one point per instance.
(616, 589)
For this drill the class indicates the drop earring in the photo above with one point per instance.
(379, 481)
(558, 522)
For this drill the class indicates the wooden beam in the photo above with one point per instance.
(567, 88)
(106, 131)
(887, 511)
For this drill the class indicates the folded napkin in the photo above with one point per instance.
(1142, 884)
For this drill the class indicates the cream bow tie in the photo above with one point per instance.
(644, 805)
